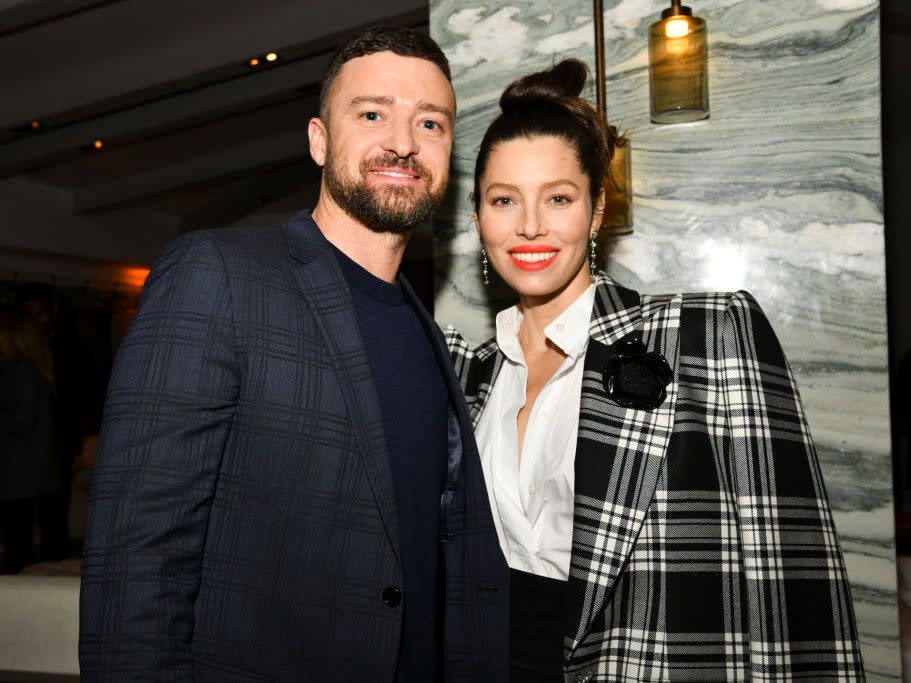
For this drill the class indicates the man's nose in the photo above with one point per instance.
(402, 140)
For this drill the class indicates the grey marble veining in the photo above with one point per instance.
(778, 192)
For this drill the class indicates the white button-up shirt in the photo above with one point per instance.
(533, 504)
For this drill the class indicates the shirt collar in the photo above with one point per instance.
(569, 330)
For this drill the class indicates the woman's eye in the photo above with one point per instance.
(560, 199)
(501, 201)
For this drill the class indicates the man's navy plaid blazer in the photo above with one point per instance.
(703, 544)
(242, 524)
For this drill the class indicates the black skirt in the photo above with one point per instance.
(538, 620)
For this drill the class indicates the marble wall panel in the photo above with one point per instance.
(778, 192)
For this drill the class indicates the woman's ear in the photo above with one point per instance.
(474, 215)
(598, 212)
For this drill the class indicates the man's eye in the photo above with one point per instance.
(371, 116)
(430, 125)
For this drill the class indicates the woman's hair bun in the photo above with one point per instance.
(563, 80)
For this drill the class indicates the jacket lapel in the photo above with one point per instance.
(484, 370)
(619, 452)
(324, 289)
(440, 351)
(459, 421)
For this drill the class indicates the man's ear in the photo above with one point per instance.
(319, 137)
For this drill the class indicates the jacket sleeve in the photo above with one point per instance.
(801, 619)
(169, 405)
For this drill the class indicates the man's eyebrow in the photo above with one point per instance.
(370, 99)
(445, 111)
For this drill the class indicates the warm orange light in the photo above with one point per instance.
(36, 124)
(271, 57)
(677, 28)
(134, 276)
(254, 62)
(98, 144)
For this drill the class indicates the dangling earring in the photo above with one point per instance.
(484, 266)
(592, 268)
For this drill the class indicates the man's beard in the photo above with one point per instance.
(388, 208)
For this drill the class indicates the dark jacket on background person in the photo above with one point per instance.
(29, 465)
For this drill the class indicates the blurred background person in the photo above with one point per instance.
(31, 476)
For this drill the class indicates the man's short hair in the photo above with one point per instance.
(400, 40)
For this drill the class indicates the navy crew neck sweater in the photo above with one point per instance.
(414, 402)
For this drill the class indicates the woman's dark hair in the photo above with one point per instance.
(548, 103)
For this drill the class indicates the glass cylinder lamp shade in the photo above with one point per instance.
(678, 66)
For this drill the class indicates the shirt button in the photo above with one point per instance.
(560, 327)
(531, 489)
(392, 596)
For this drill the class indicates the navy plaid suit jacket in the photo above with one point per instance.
(703, 543)
(242, 525)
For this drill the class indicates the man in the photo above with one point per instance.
(287, 487)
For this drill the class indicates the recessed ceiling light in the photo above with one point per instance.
(26, 127)
(98, 144)
(253, 62)
(271, 57)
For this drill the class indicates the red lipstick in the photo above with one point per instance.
(533, 256)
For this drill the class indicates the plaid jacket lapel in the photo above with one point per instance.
(324, 290)
(477, 371)
(619, 452)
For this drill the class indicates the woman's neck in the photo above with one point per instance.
(539, 312)
(535, 319)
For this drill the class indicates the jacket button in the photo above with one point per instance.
(392, 596)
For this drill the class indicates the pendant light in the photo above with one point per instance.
(678, 66)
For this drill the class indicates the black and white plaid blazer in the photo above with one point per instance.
(703, 544)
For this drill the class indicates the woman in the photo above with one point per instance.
(654, 486)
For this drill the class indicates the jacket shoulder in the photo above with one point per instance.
(691, 304)
(689, 300)
(237, 256)
(247, 244)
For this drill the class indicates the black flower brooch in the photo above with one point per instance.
(634, 377)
